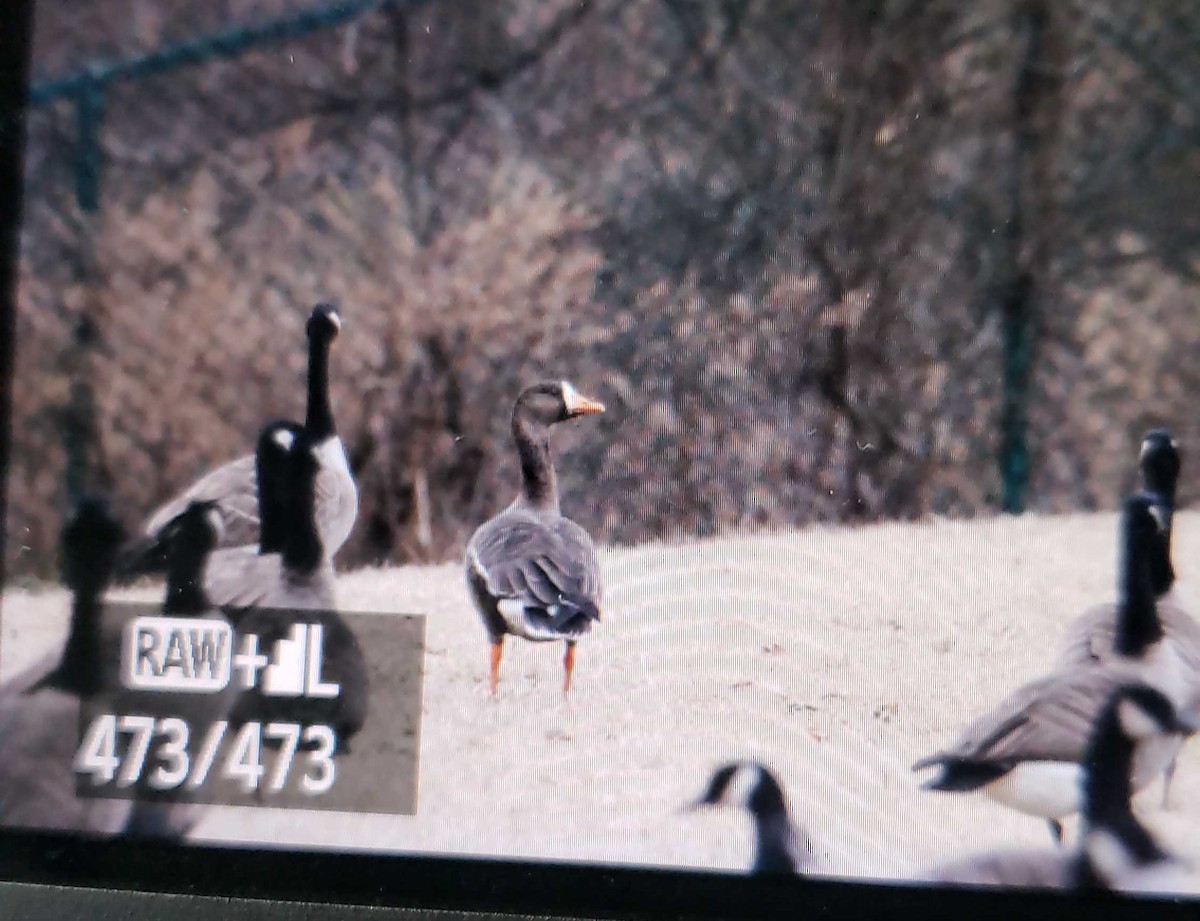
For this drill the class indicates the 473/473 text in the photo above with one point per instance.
(166, 753)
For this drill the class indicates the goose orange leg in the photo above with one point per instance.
(494, 672)
(568, 668)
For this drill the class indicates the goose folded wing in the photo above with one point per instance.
(541, 566)
(233, 486)
(1046, 720)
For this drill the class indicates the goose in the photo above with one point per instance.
(1133, 713)
(532, 572)
(301, 580)
(1117, 852)
(780, 846)
(1026, 752)
(1092, 637)
(190, 538)
(233, 486)
(39, 722)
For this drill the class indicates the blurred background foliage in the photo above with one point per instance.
(827, 261)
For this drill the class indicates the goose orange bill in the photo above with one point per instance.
(579, 405)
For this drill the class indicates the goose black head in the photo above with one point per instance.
(324, 323)
(549, 402)
(1160, 462)
(91, 540)
(746, 785)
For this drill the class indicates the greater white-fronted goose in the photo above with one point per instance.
(39, 723)
(234, 486)
(780, 846)
(303, 591)
(190, 538)
(1134, 714)
(532, 572)
(1026, 752)
(1092, 637)
(1116, 850)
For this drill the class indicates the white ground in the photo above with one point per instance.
(836, 656)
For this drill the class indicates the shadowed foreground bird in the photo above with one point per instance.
(40, 719)
(532, 572)
(780, 847)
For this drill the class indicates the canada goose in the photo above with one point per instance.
(39, 724)
(1026, 752)
(533, 572)
(1092, 637)
(233, 486)
(190, 538)
(1133, 713)
(780, 846)
(1116, 851)
(303, 582)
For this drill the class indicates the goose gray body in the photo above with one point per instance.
(1026, 753)
(534, 575)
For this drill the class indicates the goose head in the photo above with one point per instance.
(550, 402)
(744, 785)
(1160, 462)
(324, 323)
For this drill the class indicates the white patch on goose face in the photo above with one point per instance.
(1151, 758)
(741, 787)
(1160, 517)
(1136, 723)
(215, 523)
(1045, 789)
(285, 438)
(1146, 448)
(570, 396)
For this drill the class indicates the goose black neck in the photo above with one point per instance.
(318, 418)
(272, 497)
(539, 483)
(185, 588)
(1138, 626)
(1107, 788)
(79, 669)
(774, 836)
(302, 550)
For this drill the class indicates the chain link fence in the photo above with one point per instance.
(778, 243)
